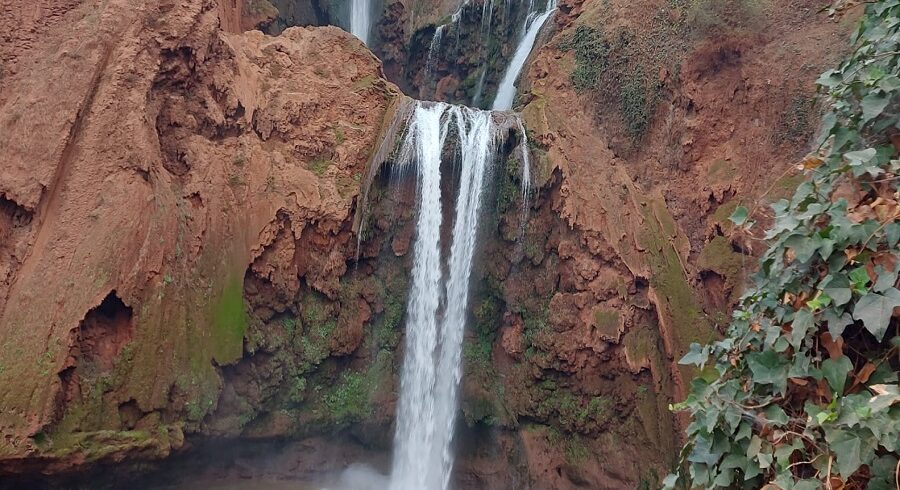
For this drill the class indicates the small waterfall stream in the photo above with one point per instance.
(360, 19)
(506, 91)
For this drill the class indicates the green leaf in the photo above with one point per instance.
(825, 416)
(703, 452)
(851, 449)
(802, 324)
(860, 157)
(808, 485)
(734, 461)
(842, 136)
(890, 83)
(804, 246)
(873, 105)
(732, 418)
(776, 415)
(829, 79)
(875, 311)
(892, 232)
(883, 471)
(754, 447)
(859, 278)
(820, 301)
(885, 401)
(885, 281)
(739, 216)
(724, 478)
(670, 481)
(835, 372)
(836, 322)
(697, 356)
(838, 289)
(768, 367)
(847, 448)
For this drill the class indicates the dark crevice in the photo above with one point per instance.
(97, 343)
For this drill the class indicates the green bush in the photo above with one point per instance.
(591, 56)
(802, 392)
(613, 70)
(349, 401)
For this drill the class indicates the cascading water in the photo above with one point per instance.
(506, 91)
(526, 168)
(479, 87)
(432, 49)
(534, 20)
(437, 308)
(360, 19)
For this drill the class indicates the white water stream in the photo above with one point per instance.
(360, 19)
(506, 91)
(438, 302)
(437, 308)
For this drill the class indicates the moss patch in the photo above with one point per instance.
(319, 325)
(677, 303)
(719, 257)
(640, 344)
(261, 8)
(563, 408)
(721, 171)
(609, 323)
(319, 165)
(363, 83)
(613, 69)
(229, 322)
(349, 399)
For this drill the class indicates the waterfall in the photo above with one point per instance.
(506, 91)
(526, 167)
(432, 49)
(360, 19)
(437, 308)
(479, 88)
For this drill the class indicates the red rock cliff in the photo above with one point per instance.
(147, 160)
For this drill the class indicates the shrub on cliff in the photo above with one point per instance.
(802, 392)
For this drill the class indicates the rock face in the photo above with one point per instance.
(150, 162)
(182, 256)
(651, 123)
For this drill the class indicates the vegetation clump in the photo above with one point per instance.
(615, 68)
(319, 165)
(803, 392)
(315, 344)
(350, 400)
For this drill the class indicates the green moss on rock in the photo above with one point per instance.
(229, 322)
(677, 306)
(609, 324)
(718, 256)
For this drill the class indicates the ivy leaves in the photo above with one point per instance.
(836, 371)
(875, 311)
(803, 390)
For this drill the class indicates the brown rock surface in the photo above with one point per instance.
(630, 255)
(718, 135)
(148, 160)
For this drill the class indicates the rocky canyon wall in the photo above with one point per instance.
(151, 162)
